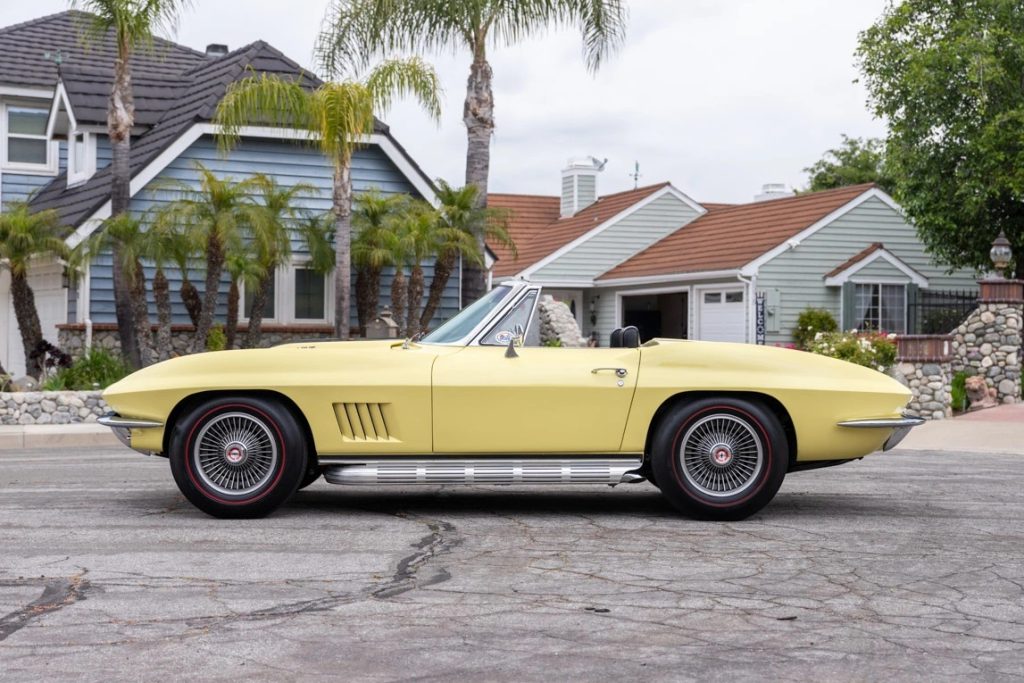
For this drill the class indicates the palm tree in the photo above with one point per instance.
(164, 243)
(133, 24)
(243, 269)
(358, 31)
(123, 236)
(213, 215)
(270, 228)
(372, 248)
(462, 221)
(420, 237)
(336, 118)
(25, 236)
(315, 231)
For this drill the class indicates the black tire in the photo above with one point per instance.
(313, 473)
(269, 445)
(736, 457)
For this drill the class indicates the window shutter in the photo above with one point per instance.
(848, 320)
(913, 293)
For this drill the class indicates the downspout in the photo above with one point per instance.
(751, 284)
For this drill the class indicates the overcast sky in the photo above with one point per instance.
(717, 96)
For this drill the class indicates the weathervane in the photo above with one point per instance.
(56, 57)
(636, 175)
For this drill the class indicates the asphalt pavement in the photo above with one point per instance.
(903, 566)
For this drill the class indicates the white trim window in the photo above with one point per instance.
(81, 156)
(26, 148)
(880, 307)
(298, 296)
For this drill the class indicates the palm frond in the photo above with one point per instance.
(398, 78)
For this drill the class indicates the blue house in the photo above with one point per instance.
(54, 152)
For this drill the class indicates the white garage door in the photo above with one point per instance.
(722, 315)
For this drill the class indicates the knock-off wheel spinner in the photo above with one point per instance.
(235, 454)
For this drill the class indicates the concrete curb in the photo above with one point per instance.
(69, 436)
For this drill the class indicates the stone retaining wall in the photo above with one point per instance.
(71, 338)
(50, 407)
(558, 323)
(988, 344)
(923, 365)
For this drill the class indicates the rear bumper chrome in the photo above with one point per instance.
(122, 426)
(901, 426)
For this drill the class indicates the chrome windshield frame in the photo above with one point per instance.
(518, 290)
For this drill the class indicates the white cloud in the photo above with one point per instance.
(718, 96)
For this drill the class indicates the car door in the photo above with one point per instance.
(542, 400)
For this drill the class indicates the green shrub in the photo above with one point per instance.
(958, 391)
(554, 341)
(811, 322)
(216, 340)
(870, 349)
(97, 369)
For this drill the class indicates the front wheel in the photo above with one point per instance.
(719, 458)
(238, 457)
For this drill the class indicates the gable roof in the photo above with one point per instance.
(87, 89)
(23, 47)
(733, 236)
(198, 91)
(538, 232)
(855, 259)
(874, 252)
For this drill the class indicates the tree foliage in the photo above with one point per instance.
(855, 161)
(947, 77)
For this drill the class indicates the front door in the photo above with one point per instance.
(545, 401)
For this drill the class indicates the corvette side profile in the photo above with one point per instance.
(716, 427)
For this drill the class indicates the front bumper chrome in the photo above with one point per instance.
(901, 426)
(122, 426)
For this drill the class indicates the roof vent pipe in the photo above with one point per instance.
(774, 191)
(216, 50)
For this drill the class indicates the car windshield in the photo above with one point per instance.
(468, 318)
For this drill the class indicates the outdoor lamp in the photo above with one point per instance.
(1001, 253)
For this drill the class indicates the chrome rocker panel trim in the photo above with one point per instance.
(901, 426)
(493, 471)
(122, 426)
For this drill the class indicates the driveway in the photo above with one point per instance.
(905, 566)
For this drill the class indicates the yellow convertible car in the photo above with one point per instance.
(715, 426)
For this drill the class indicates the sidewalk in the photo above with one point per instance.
(55, 436)
(992, 430)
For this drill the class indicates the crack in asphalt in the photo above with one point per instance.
(57, 594)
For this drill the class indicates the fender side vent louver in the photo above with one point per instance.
(364, 421)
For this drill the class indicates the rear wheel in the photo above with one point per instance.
(238, 457)
(719, 458)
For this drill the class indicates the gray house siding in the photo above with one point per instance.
(635, 232)
(796, 278)
(289, 164)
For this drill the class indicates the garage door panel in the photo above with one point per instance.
(722, 315)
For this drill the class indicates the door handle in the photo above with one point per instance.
(619, 372)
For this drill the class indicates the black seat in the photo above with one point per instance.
(630, 337)
(616, 339)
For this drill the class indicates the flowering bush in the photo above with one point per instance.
(810, 323)
(871, 349)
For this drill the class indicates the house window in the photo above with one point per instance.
(881, 307)
(26, 143)
(270, 310)
(310, 295)
(81, 157)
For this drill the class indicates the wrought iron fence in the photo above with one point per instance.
(936, 311)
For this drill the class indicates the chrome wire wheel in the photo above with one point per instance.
(235, 454)
(721, 455)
